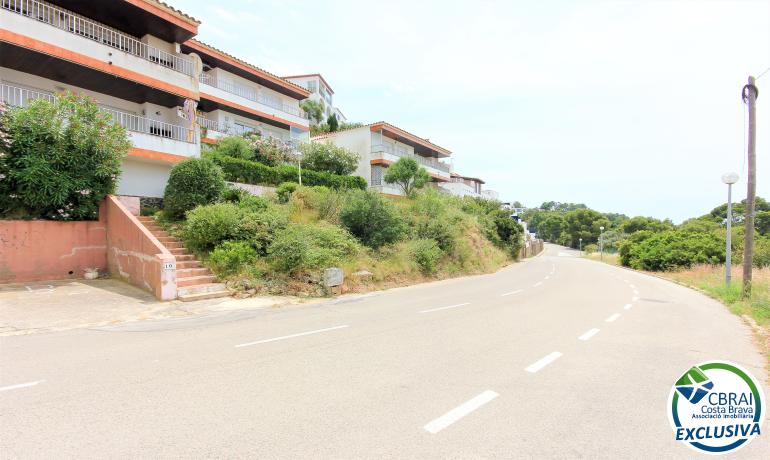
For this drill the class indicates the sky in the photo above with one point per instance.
(626, 106)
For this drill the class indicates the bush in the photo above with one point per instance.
(372, 219)
(58, 160)
(193, 182)
(285, 190)
(302, 247)
(509, 231)
(318, 156)
(232, 257)
(234, 146)
(434, 219)
(252, 172)
(591, 248)
(208, 226)
(325, 201)
(268, 150)
(426, 254)
(674, 249)
(260, 228)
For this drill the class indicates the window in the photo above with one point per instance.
(312, 86)
(376, 175)
(241, 128)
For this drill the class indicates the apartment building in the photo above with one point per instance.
(460, 185)
(320, 91)
(382, 144)
(237, 97)
(125, 55)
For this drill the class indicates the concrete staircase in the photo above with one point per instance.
(193, 281)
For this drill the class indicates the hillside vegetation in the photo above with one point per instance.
(281, 243)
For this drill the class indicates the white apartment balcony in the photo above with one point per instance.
(216, 130)
(433, 166)
(252, 98)
(144, 133)
(460, 188)
(51, 27)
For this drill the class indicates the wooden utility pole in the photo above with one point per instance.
(749, 95)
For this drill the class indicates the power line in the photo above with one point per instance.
(760, 75)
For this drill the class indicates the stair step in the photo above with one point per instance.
(178, 251)
(195, 280)
(145, 219)
(185, 258)
(188, 272)
(160, 234)
(186, 264)
(201, 289)
(172, 244)
(203, 296)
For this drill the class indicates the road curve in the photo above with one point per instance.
(555, 357)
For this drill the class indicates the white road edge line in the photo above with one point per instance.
(590, 333)
(21, 385)
(512, 292)
(459, 412)
(634, 299)
(247, 344)
(612, 317)
(537, 284)
(537, 365)
(627, 306)
(445, 308)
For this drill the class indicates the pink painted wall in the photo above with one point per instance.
(39, 250)
(135, 255)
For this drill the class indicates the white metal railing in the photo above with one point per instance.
(252, 95)
(78, 25)
(15, 96)
(430, 162)
(239, 130)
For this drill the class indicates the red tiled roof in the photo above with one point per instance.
(259, 71)
(396, 130)
(313, 75)
(174, 11)
(468, 178)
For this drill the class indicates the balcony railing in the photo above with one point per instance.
(15, 96)
(430, 162)
(78, 25)
(252, 95)
(239, 130)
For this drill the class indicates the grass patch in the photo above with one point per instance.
(710, 278)
(612, 259)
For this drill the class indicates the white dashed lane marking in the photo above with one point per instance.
(541, 363)
(590, 333)
(459, 412)
(612, 317)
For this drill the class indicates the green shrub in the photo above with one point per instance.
(58, 160)
(208, 226)
(325, 201)
(259, 228)
(285, 190)
(234, 194)
(440, 231)
(675, 249)
(407, 174)
(252, 172)
(302, 247)
(624, 249)
(426, 254)
(434, 219)
(234, 146)
(590, 248)
(268, 150)
(325, 156)
(232, 257)
(372, 219)
(509, 231)
(193, 182)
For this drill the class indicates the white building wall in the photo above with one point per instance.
(359, 141)
(143, 178)
(49, 34)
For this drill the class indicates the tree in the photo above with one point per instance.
(333, 123)
(325, 156)
(551, 228)
(584, 223)
(192, 182)
(407, 174)
(639, 223)
(315, 110)
(58, 159)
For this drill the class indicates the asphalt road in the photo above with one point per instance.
(555, 357)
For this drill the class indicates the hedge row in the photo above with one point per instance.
(251, 172)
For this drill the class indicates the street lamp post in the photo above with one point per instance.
(601, 243)
(729, 179)
(580, 245)
(299, 165)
